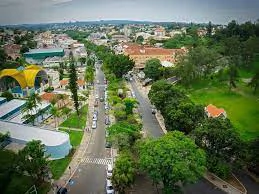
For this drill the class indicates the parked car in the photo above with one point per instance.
(96, 103)
(109, 171)
(106, 133)
(108, 144)
(96, 96)
(101, 99)
(94, 125)
(107, 120)
(94, 117)
(109, 188)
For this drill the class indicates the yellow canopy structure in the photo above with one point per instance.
(25, 77)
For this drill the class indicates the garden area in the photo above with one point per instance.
(75, 121)
(240, 105)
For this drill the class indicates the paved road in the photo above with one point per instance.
(150, 124)
(154, 130)
(90, 176)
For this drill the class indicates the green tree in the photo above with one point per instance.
(233, 76)
(254, 83)
(221, 143)
(162, 93)
(140, 39)
(3, 58)
(253, 155)
(89, 74)
(209, 29)
(123, 135)
(24, 49)
(8, 95)
(152, 69)
(55, 112)
(82, 60)
(73, 81)
(32, 159)
(119, 64)
(183, 117)
(171, 159)
(66, 111)
(31, 108)
(130, 103)
(123, 172)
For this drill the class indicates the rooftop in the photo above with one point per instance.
(213, 111)
(10, 106)
(48, 50)
(27, 133)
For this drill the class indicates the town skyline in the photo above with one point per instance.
(60, 11)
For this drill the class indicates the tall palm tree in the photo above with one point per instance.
(31, 105)
(62, 97)
(54, 111)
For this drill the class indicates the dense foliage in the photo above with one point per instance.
(172, 158)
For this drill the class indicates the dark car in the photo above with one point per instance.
(108, 144)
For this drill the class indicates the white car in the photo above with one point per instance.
(94, 125)
(109, 187)
(109, 171)
(96, 96)
(94, 117)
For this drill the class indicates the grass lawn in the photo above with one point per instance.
(59, 166)
(74, 121)
(75, 136)
(242, 108)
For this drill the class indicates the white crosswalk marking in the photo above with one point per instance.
(101, 161)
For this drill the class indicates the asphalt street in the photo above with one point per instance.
(154, 130)
(91, 175)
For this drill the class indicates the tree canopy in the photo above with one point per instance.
(153, 69)
(221, 143)
(123, 172)
(119, 64)
(172, 158)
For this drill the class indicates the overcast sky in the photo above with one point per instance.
(42, 11)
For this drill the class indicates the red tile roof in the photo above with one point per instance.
(151, 51)
(48, 96)
(80, 82)
(63, 82)
(214, 111)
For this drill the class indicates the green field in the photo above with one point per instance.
(58, 167)
(73, 121)
(75, 136)
(241, 105)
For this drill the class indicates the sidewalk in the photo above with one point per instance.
(80, 152)
(208, 176)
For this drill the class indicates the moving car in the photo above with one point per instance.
(109, 171)
(94, 125)
(109, 188)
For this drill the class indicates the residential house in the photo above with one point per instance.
(214, 112)
(12, 50)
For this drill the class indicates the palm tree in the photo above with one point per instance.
(66, 111)
(54, 111)
(254, 83)
(62, 97)
(31, 105)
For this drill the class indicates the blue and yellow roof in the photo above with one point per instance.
(25, 77)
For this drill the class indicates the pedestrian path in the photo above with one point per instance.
(101, 161)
